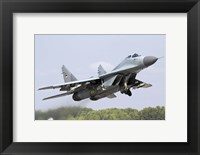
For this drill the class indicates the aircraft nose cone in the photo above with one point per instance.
(149, 60)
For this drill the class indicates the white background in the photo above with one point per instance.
(172, 129)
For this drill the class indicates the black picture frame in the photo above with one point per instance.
(8, 7)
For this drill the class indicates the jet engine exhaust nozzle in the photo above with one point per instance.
(149, 60)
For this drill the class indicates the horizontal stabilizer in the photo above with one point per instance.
(59, 95)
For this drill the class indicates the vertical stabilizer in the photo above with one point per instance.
(67, 75)
(101, 70)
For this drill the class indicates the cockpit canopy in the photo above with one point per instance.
(134, 55)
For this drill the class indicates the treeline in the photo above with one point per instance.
(80, 113)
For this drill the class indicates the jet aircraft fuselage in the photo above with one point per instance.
(122, 78)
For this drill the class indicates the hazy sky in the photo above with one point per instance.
(82, 54)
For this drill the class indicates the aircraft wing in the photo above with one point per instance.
(116, 72)
(90, 80)
(140, 84)
(59, 95)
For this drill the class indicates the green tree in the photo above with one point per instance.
(80, 113)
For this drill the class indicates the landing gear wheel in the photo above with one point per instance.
(129, 93)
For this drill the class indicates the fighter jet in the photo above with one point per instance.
(122, 78)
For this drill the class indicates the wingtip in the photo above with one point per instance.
(41, 89)
(44, 88)
(44, 99)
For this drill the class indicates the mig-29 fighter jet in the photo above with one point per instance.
(122, 78)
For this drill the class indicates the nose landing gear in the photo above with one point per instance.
(124, 86)
(128, 92)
